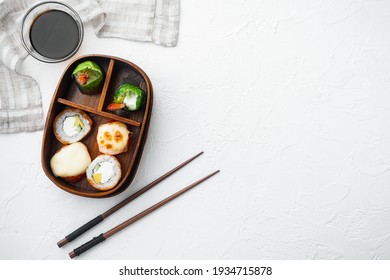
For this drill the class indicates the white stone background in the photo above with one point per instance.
(290, 99)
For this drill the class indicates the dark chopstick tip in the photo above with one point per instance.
(210, 175)
(72, 255)
(197, 155)
(62, 243)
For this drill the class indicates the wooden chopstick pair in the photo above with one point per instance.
(96, 240)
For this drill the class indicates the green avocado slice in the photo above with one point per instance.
(92, 73)
(129, 95)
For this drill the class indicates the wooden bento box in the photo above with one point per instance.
(67, 95)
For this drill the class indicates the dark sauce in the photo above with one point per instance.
(54, 34)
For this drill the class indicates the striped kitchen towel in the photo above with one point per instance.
(139, 20)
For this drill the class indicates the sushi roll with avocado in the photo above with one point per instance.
(104, 172)
(89, 77)
(71, 125)
(127, 97)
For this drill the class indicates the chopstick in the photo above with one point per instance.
(87, 226)
(100, 238)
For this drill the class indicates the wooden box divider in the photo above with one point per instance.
(100, 113)
(106, 84)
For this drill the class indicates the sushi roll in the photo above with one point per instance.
(113, 138)
(127, 97)
(104, 172)
(71, 125)
(89, 77)
(70, 162)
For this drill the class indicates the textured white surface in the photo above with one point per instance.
(290, 99)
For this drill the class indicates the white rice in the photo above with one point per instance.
(111, 182)
(59, 127)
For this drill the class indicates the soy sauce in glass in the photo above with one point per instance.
(54, 34)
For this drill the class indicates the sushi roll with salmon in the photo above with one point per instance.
(89, 77)
(104, 172)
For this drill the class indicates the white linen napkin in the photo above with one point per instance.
(139, 20)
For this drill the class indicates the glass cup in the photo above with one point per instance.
(33, 14)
